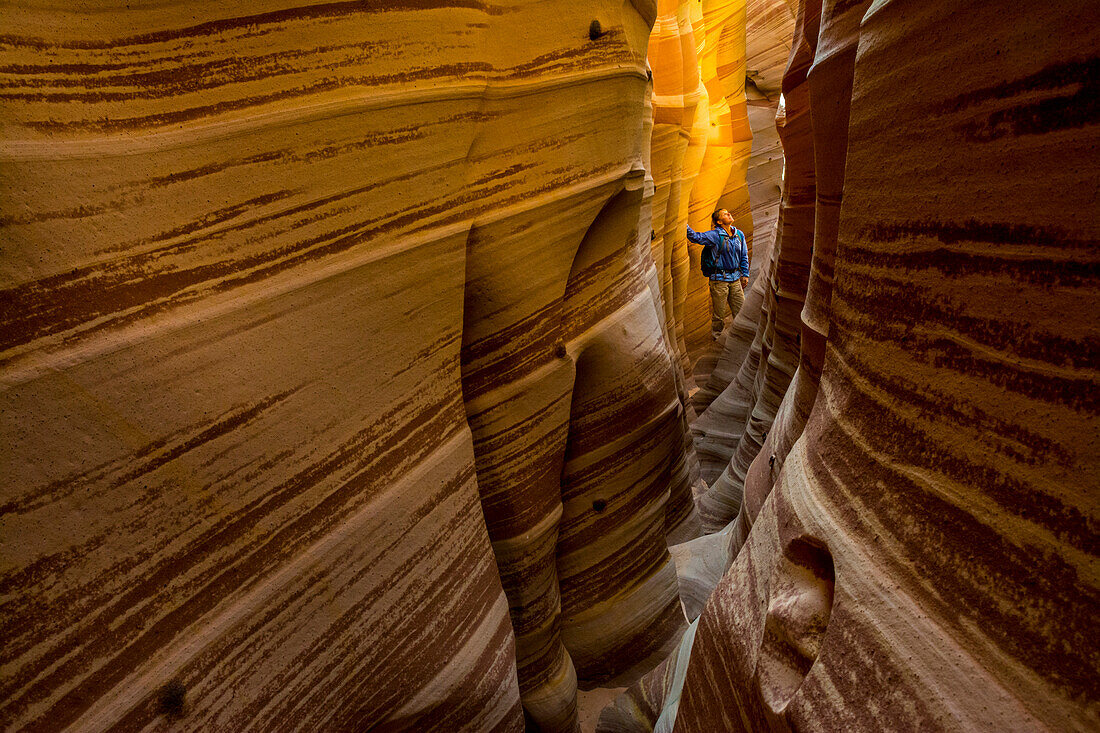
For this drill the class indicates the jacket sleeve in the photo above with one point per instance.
(743, 254)
(693, 236)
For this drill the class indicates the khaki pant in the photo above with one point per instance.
(724, 298)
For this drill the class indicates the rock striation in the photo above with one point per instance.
(769, 27)
(323, 326)
(922, 552)
(830, 82)
(678, 143)
(348, 356)
(701, 146)
(784, 292)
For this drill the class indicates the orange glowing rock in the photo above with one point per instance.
(783, 295)
(334, 384)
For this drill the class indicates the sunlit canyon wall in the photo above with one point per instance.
(337, 387)
(906, 524)
(349, 354)
(704, 145)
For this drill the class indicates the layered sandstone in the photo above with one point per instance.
(830, 82)
(925, 557)
(679, 141)
(702, 138)
(314, 316)
(347, 355)
(783, 293)
(769, 26)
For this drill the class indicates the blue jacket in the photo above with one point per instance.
(725, 257)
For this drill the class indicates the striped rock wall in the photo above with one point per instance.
(783, 294)
(651, 703)
(649, 699)
(679, 137)
(718, 430)
(721, 179)
(701, 145)
(230, 483)
(336, 390)
(830, 81)
(927, 557)
(769, 26)
(701, 563)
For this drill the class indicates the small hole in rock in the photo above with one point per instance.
(599, 505)
(800, 601)
(594, 30)
(560, 352)
(172, 698)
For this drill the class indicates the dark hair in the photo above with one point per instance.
(714, 217)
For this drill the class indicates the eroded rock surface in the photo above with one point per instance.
(926, 556)
(314, 316)
(783, 294)
(348, 356)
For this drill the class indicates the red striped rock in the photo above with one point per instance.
(769, 29)
(739, 354)
(678, 114)
(223, 462)
(927, 557)
(830, 81)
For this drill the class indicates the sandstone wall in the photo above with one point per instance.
(751, 401)
(702, 147)
(315, 315)
(680, 124)
(920, 552)
(347, 353)
(769, 27)
(653, 697)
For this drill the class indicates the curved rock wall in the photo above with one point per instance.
(769, 26)
(345, 385)
(926, 558)
(230, 482)
(652, 698)
(830, 81)
(314, 316)
(702, 143)
(680, 122)
(783, 293)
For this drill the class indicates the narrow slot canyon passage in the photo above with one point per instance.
(357, 368)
